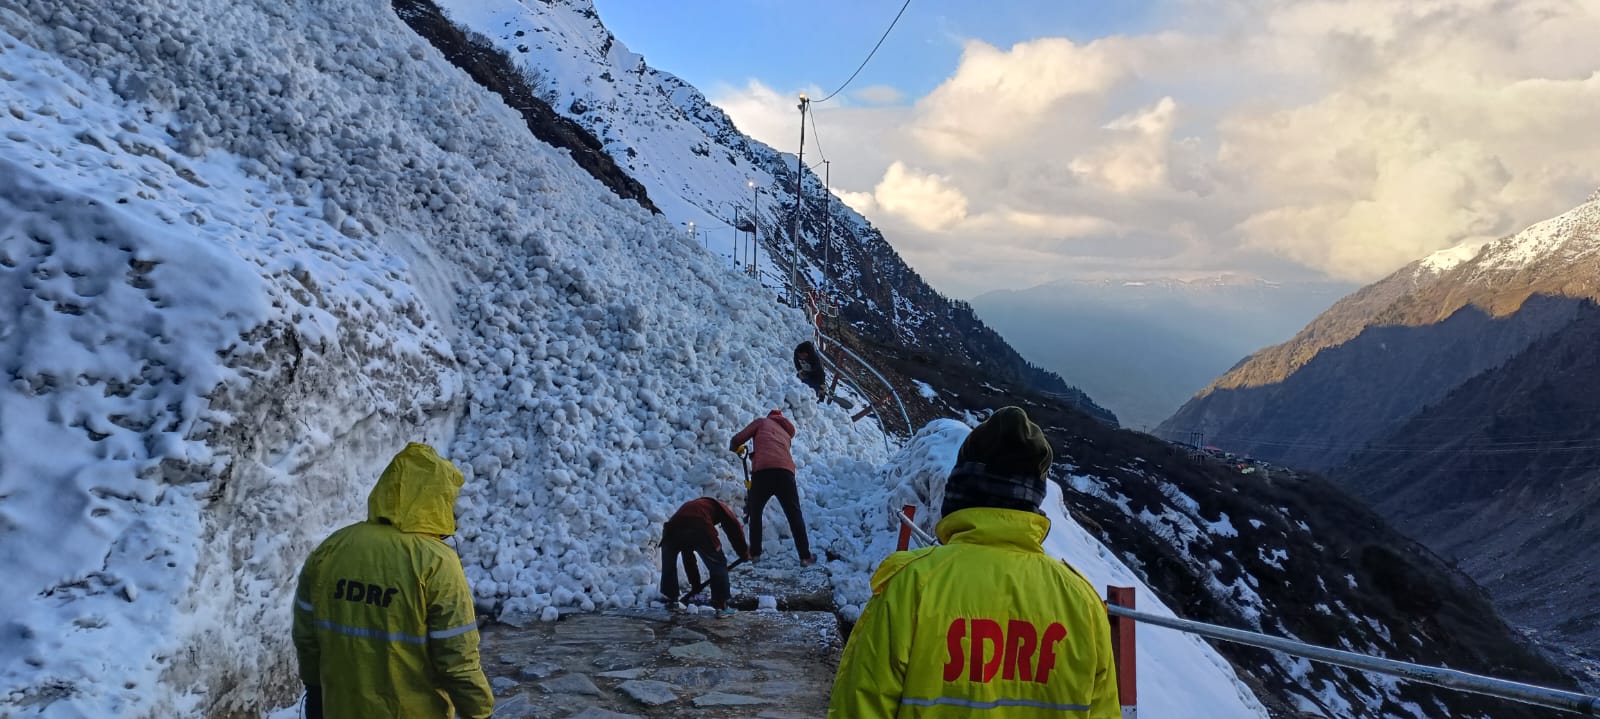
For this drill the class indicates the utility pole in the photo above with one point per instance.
(755, 227)
(734, 227)
(799, 177)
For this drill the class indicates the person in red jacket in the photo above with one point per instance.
(693, 530)
(773, 477)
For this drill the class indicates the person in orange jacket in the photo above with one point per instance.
(773, 477)
(986, 624)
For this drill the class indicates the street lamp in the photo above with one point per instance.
(799, 176)
(692, 235)
(733, 207)
(755, 226)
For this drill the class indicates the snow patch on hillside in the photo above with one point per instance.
(1450, 258)
(1571, 235)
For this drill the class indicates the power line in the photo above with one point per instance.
(870, 54)
(816, 137)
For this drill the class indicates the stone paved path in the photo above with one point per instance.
(651, 663)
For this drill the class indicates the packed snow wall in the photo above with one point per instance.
(251, 248)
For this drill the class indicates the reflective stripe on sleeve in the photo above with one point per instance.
(970, 704)
(303, 604)
(453, 632)
(365, 633)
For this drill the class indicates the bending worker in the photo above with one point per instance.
(692, 530)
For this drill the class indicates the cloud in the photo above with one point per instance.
(998, 96)
(1025, 224)
(879, 95)
(862, 202)
(1136, 160)
(1345, 137)
(757, 110)
(925, 200)
(1445, 123)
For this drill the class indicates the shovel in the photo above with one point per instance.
(706, 583)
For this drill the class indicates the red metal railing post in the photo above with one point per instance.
(905, 528)
(1124, 652)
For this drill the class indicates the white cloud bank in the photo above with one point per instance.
(1343, 136)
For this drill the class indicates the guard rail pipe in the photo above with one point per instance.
(1119, 605)
(910, 430)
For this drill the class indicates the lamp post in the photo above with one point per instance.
(799, 177)
(692, 235)
(733, 207)
(755, 227)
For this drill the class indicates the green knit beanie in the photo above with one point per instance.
(1008, 443)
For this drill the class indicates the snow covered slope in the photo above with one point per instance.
(250, 250)
(699, 168)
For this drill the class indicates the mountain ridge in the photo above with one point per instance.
(1400, 391)
(1427, 291)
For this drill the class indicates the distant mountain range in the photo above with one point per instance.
(1143, 346)
(1459, 396)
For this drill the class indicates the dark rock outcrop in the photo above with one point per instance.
(497, 73)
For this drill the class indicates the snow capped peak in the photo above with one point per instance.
(1564, 239)
(1449, 258)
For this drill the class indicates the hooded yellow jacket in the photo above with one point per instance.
(383, 618)
(986, 625)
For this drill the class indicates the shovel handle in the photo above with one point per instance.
(703, 584)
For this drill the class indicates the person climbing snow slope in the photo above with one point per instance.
(383, 617)
(773, 477)
(987, 621)
(692, 530)
(808, 367)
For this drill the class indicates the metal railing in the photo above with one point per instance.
(1448, 678)
(908, 529)
(887, 448)
(1120, 605)
(910, 430)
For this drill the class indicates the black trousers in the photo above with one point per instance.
(817, 382)
(766, 484)
(687, 542)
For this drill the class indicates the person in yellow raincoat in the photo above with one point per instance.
(383, 618)
(986, 625)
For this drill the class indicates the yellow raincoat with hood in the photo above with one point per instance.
(383, 618)
(987, 625)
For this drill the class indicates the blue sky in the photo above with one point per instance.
(789, 44)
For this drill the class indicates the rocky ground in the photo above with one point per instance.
(648, 663)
